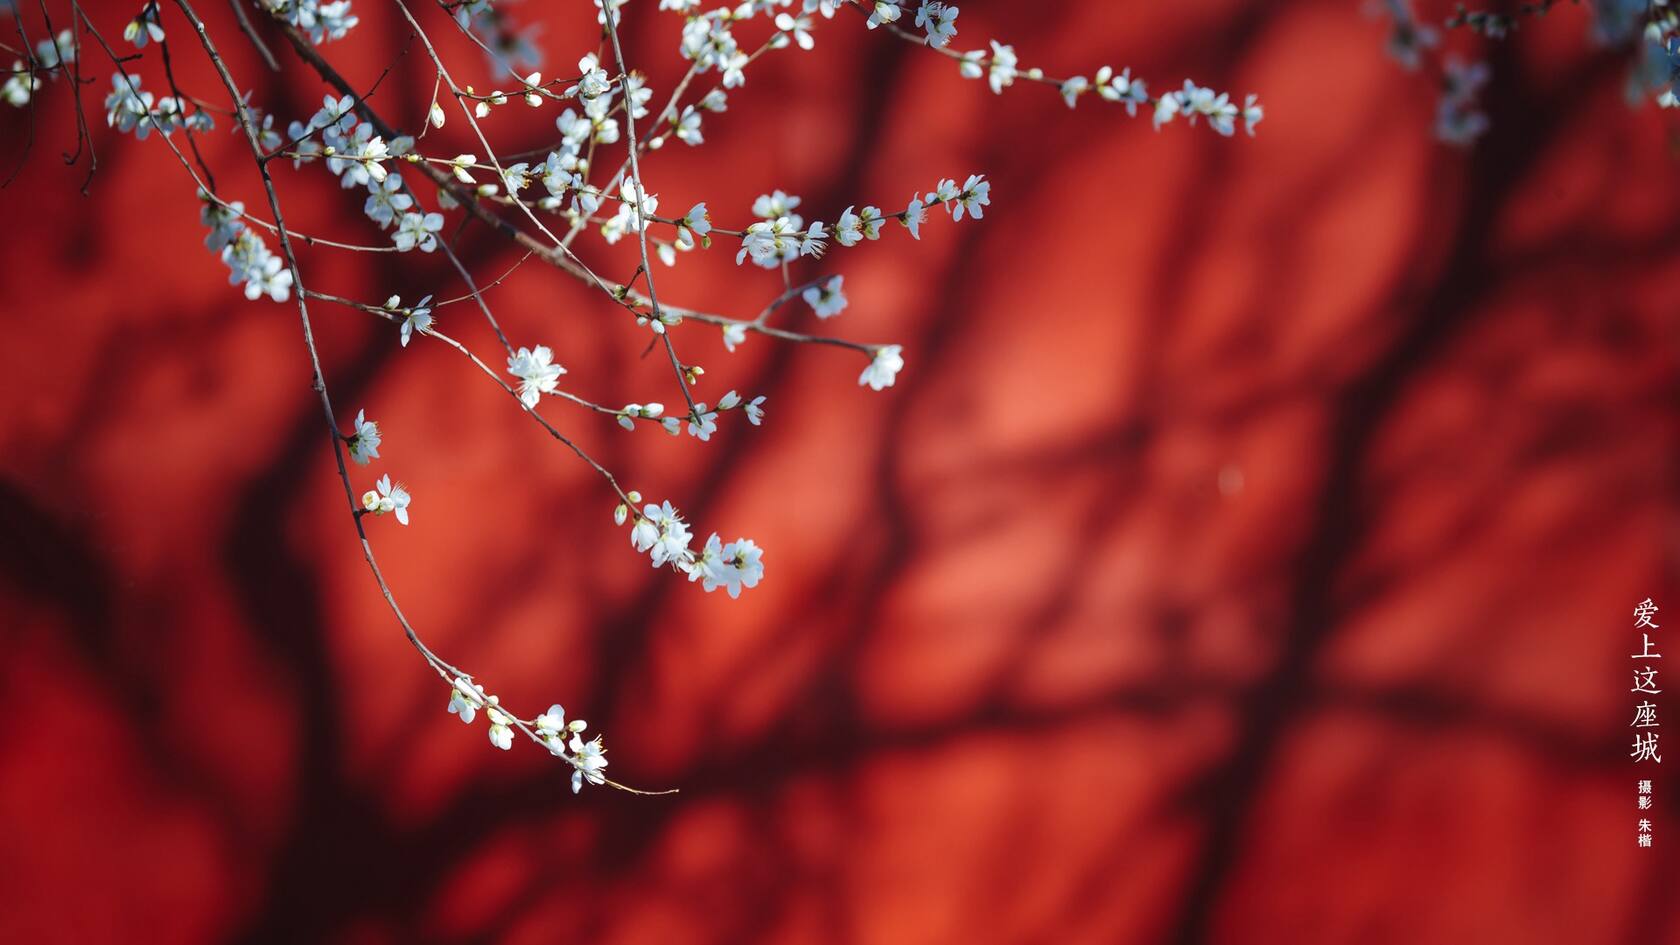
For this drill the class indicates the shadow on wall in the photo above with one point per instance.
(1243, 555)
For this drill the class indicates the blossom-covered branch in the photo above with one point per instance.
(406, 187)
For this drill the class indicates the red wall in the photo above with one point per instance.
(1246, 553)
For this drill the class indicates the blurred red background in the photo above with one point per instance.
(1245, 554)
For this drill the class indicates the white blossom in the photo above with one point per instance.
(588, 758)
(501, 730)
(1252, 112)
(1073, 88)
(702, 423)
(732, 567)
(417, 231)
(884, 11)
(516, 177)
(828, 300)
(609, 7)
(914, 214)
(883, 370)
(1458, 119)
(871, 219)
(1166, 107)
(734, 334)
(1122, 88)
(466, 698)
(734, 70)
(336, 114)
(386, 200)
(249, 261)
(976, 194)
(552, 728)
(776, 204)
(627, 416)
(322, 21)
(418, 318)
(695, 223)
(811, 244)
(364, 443)
(769, 242)
(20, 86)
(687, 126)
(637, 94)
(593, 81)
(127, 107)
(848, 231)
(798, 27)
(537, 373)
(939, 21)
(387, 498)
(144, 27)
(943, 192)
(1002, 72)
(666, 540)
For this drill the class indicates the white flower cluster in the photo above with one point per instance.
(246, 254)
(588, 759)
(660, 532)
(563, 170)
(1458, 118)
(357, 156)
(1002, 67)
(708, 41)
(353, 152)
(999, 70)
(128, 109)
(322, 21)
(780, 235)
(606, 105)
(51, 55)
(938, 20)
(701, 423)
(597, 94)
(1194, 101)
(386, 497)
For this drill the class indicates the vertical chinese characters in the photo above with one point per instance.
(1645, 738)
